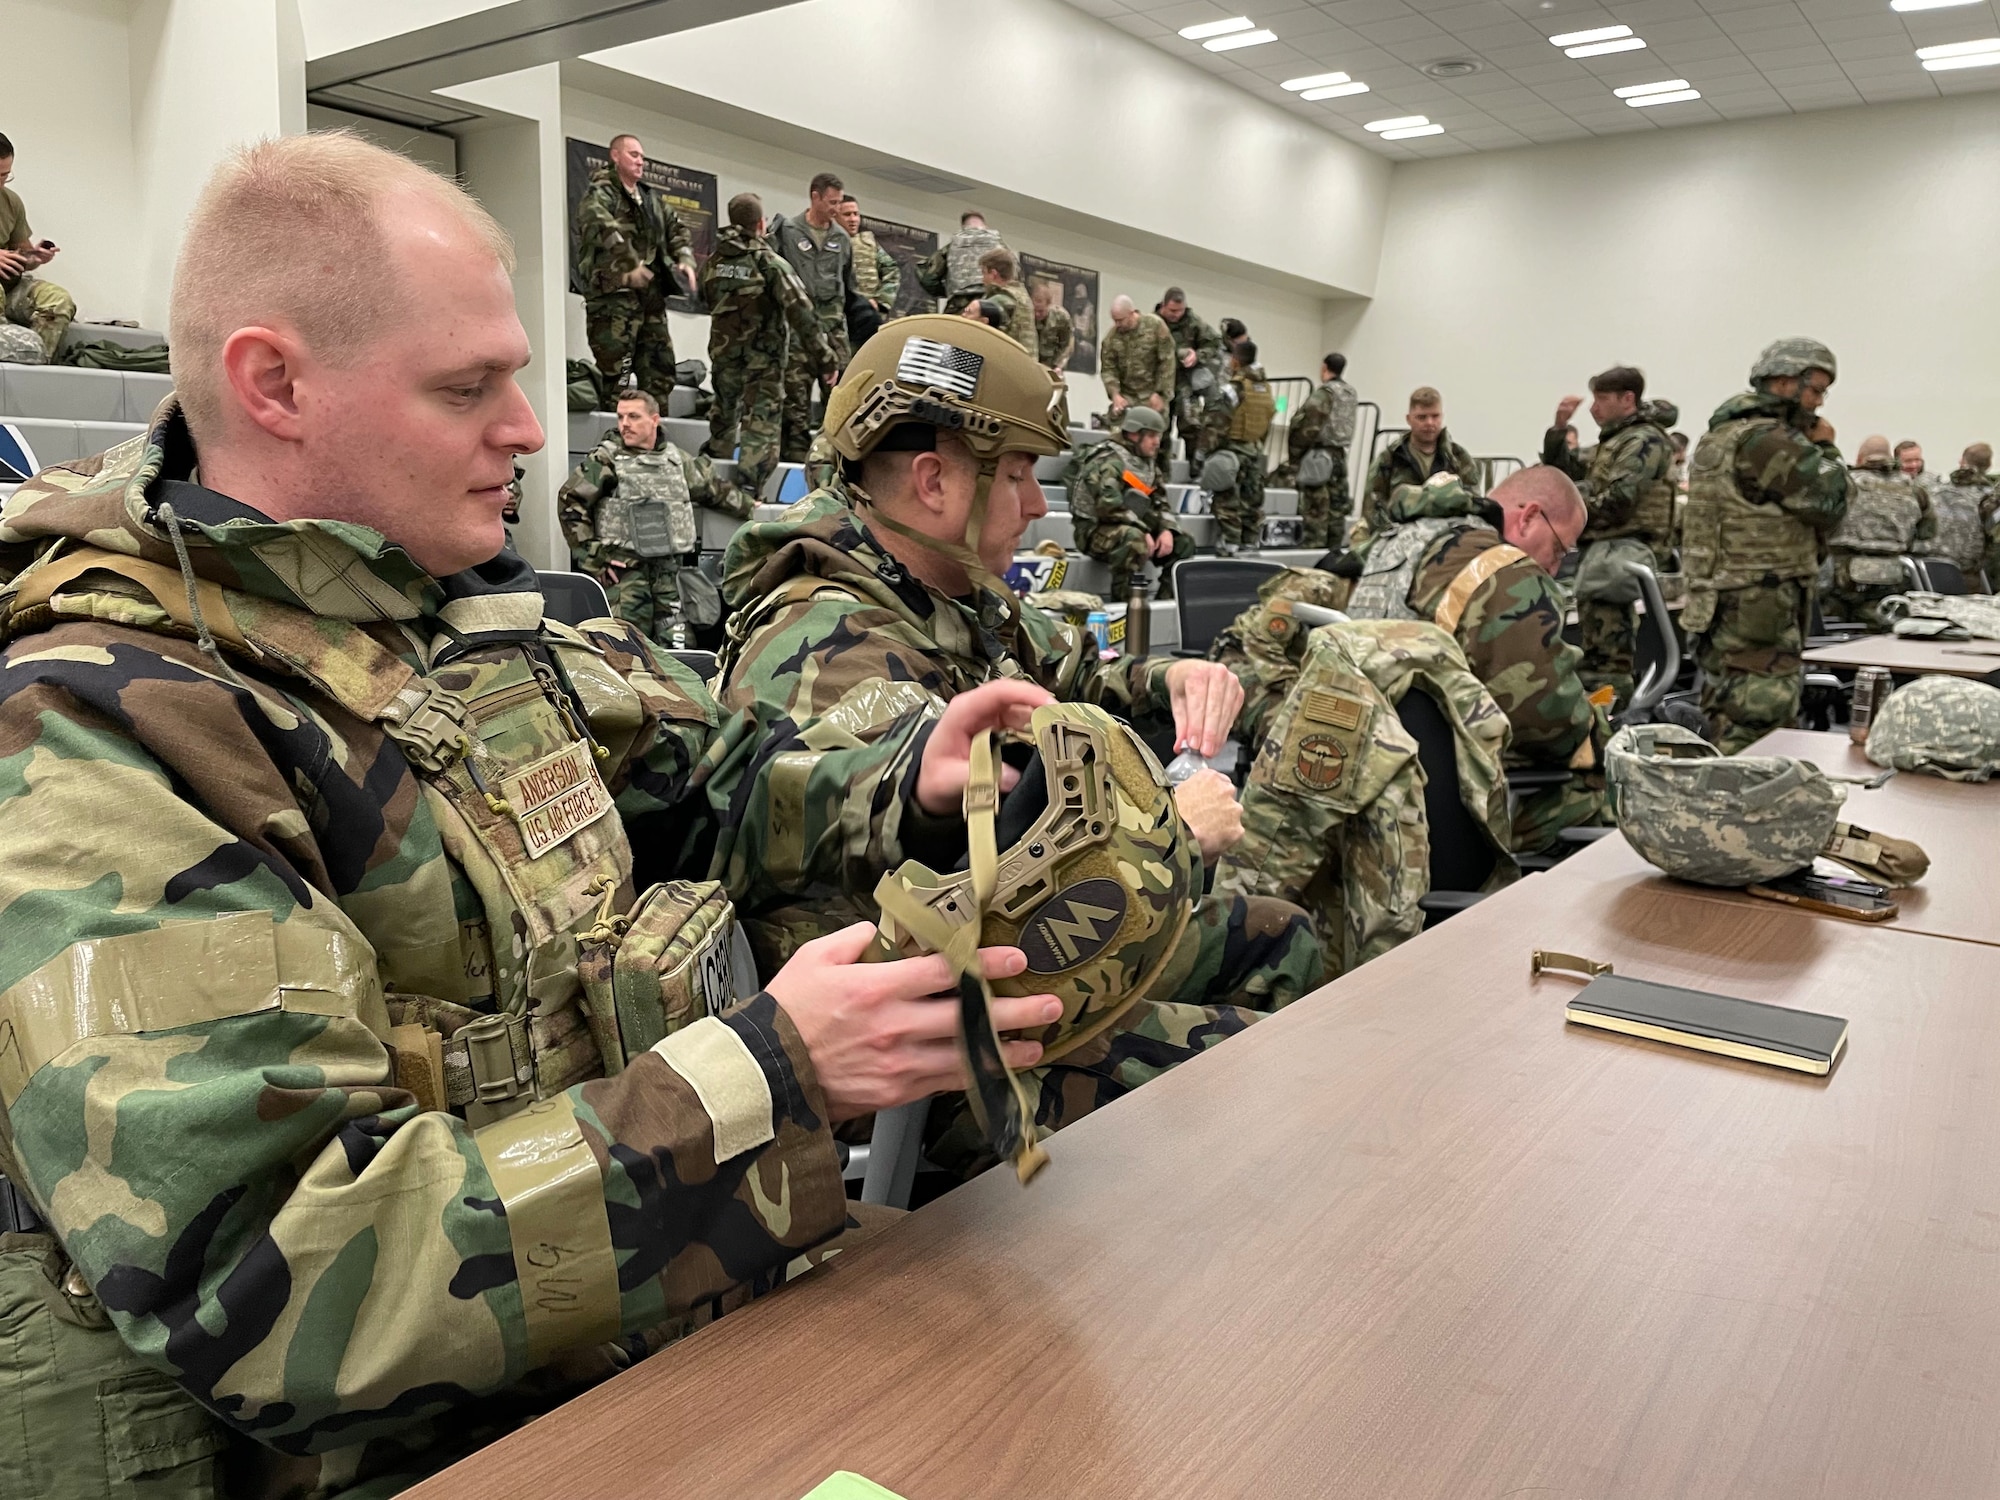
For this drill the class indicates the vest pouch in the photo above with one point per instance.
(1601, 575)
(1315, 469)
(1876, 572)
(652, 528)
(662, 966)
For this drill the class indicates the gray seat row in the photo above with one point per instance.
(66, 394)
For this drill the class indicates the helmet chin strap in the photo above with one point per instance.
(965, 553)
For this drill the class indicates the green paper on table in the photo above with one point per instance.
(846, 1486)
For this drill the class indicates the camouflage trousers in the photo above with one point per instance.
(628, 336)
(1190, 420)
(1126, 549)
(1610, 641)
(1240, 958)
(646, 591)
(1323, 507)
(43, 307)
(1239, 510)
(803, 392)
(1751, 665)
(748, 413)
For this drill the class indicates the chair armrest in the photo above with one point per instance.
(1530, 779)
(1449, 901)
(1583, 835)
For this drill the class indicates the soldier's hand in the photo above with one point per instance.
(1187, 359)
(1208, 806)
(639, 278)
(1157, 402)
(883, 1034)
(1007, 704)
(684, 278)
(1163, 544)
(12, 263)
(1119, 402)
(1207, 698)
(1566, 408)
(1822, 431)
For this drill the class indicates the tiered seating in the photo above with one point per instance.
(56, 413)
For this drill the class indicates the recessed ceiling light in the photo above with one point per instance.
(1414, 130)
(1401, 122)
(1959, 49)
(1634, 90)
(1208, 29)
(1335, 91)
(1240, 39)
(1317, 81)
(1952, 64)
(1578, 38)
(1599, 49)
(1675, 97)
(1928, 4)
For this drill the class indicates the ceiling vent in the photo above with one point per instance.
(1453, 67)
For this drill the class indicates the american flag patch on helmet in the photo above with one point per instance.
(943, 366)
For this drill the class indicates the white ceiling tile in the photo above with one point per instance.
(1772, 58)
(1786, 79)
(1681, 53)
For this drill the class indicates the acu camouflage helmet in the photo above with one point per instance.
(1793, 357)
(1946, 726)
(1085, 866)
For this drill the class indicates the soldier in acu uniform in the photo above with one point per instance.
(629, 242)
(1199, 363)
(877, 276)
(1316, 444)
(628, 511)
(1889, 517)
(1627, 483)
(328, 1158)
(1117, 502)
(760, 320)
(863, 612)
(1965, 506)
(1766, 487)
(952, 270)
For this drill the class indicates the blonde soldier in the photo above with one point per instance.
(346, 1166)
(1003, 302)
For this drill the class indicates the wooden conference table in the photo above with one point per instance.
(1956, 822)
(1910, 658)
(1414, 1237)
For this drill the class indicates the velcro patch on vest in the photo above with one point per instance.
(1331, 708)
(1319, 762)
(555, 798)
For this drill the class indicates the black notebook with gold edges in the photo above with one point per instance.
(1803, 1040)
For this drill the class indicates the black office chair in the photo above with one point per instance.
(1462, 857)
(1658, 658)
(1943, 576)
(1210, 592)
(572, 598)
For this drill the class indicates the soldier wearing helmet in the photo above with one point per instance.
(865, 617)
(1117, 499)
(1766, 487)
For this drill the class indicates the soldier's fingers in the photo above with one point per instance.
(1019, 1012)
(1021, 1055)
(843, 947)
(1003, 963)
(911, 979)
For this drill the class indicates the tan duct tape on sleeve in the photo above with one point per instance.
(1451, 608)
(549, 1183)
(182, 974)
(717, 1064)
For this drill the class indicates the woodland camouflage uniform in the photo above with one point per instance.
(1400, 464)
(1333, 815)
(616, 233)
(223, 1033)
(1508, 622)
(841, 657)
(1189, 405)
(1762, 498)
(759, 318)
(1117, 505)
(641, 575)
(1889, 517)
(1324, 420)
(1628, 489)
(1237, 421)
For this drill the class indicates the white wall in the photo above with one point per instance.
(69, 116)
(1287, 326)
(1508, 278)
(433, 148)
(1040, 98)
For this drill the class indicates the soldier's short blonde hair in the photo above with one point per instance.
(1001, 261)
(1979, 456)
(288, 233)
(1425, 395)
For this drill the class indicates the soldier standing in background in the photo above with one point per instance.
(952, 270)
(1055, 334)
(1234, 473)
(629, 242)
(1323, 426)
(1003, 302)
(1889, 517)
(877, 276)
(1965, 506)
(1199, 353)
(628, 511)
(819, 250)
(1136, 362)
(1766, 487)
(41, 306)
(1628, 485)
(760, 318)
(1117, 503)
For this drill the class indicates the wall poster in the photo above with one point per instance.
(906, 245)
(690, 192)
(1078, 293)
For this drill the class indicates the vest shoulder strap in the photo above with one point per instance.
(1451, 608)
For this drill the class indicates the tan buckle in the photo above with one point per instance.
(497, 1073)
(1544, 960)
(430, 729)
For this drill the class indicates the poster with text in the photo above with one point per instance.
(1076, 290)
(690, 193)
(906, 245)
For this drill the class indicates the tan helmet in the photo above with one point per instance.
(1086, 867)
(954, 374)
